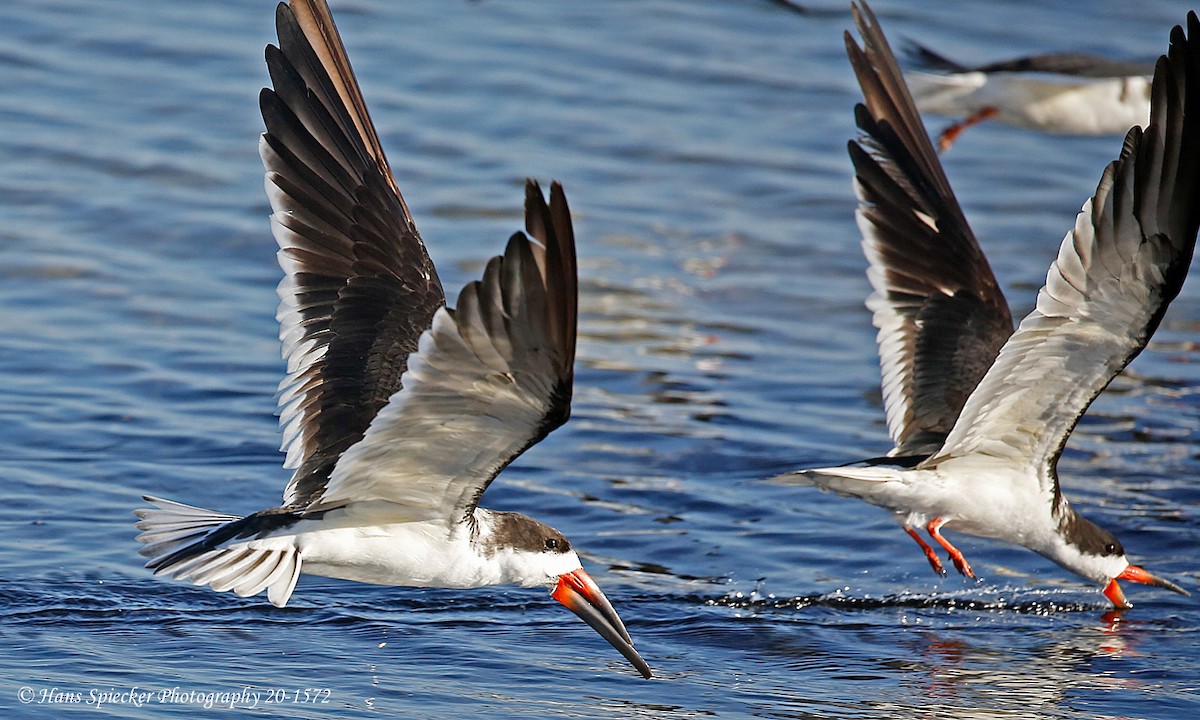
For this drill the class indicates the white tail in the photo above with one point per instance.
(887, 487)
(244, 566)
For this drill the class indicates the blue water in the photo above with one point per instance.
(722, 338)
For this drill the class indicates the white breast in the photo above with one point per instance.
(351, 544)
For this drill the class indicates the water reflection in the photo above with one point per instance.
(938, 656)
(969, 678)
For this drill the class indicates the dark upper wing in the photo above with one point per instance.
(1075, 64)
(941, 316)
(359, 287)
(491, 378)
(1116, 272)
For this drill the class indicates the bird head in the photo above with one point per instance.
(537, 554)
(1094, 553)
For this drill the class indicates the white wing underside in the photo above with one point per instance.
(1088, 322)
(1116, 270)
(1121, 264)
(488, 380)
(462, 414)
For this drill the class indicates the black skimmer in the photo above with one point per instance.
(1068, 93)
(397, 412)
(979, 414)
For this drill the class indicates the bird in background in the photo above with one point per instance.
(1068, 93)
(979, 414)
(397, 412)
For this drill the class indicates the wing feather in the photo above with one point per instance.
(1116, 272)
(490, 378)
(939, 310)
(359, 287)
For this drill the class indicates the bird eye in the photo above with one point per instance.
(551, 543)
(1110, 549)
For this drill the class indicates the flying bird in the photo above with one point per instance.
(397, 412)
(1069, 93)
(979, 414)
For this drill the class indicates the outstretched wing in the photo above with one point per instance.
(941, 315)
(1075, 64)
(491, 378)
(1116, 272)
(359, 287)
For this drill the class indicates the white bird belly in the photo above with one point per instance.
(977, 496)
(992, 499)
(420, 553)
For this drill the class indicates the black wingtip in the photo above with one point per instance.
(550, 224)
(283, 17)
(536, 211)
(927, 58)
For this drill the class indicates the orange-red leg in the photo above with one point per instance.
(929, 553)
(950, 134)
(956, 555)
